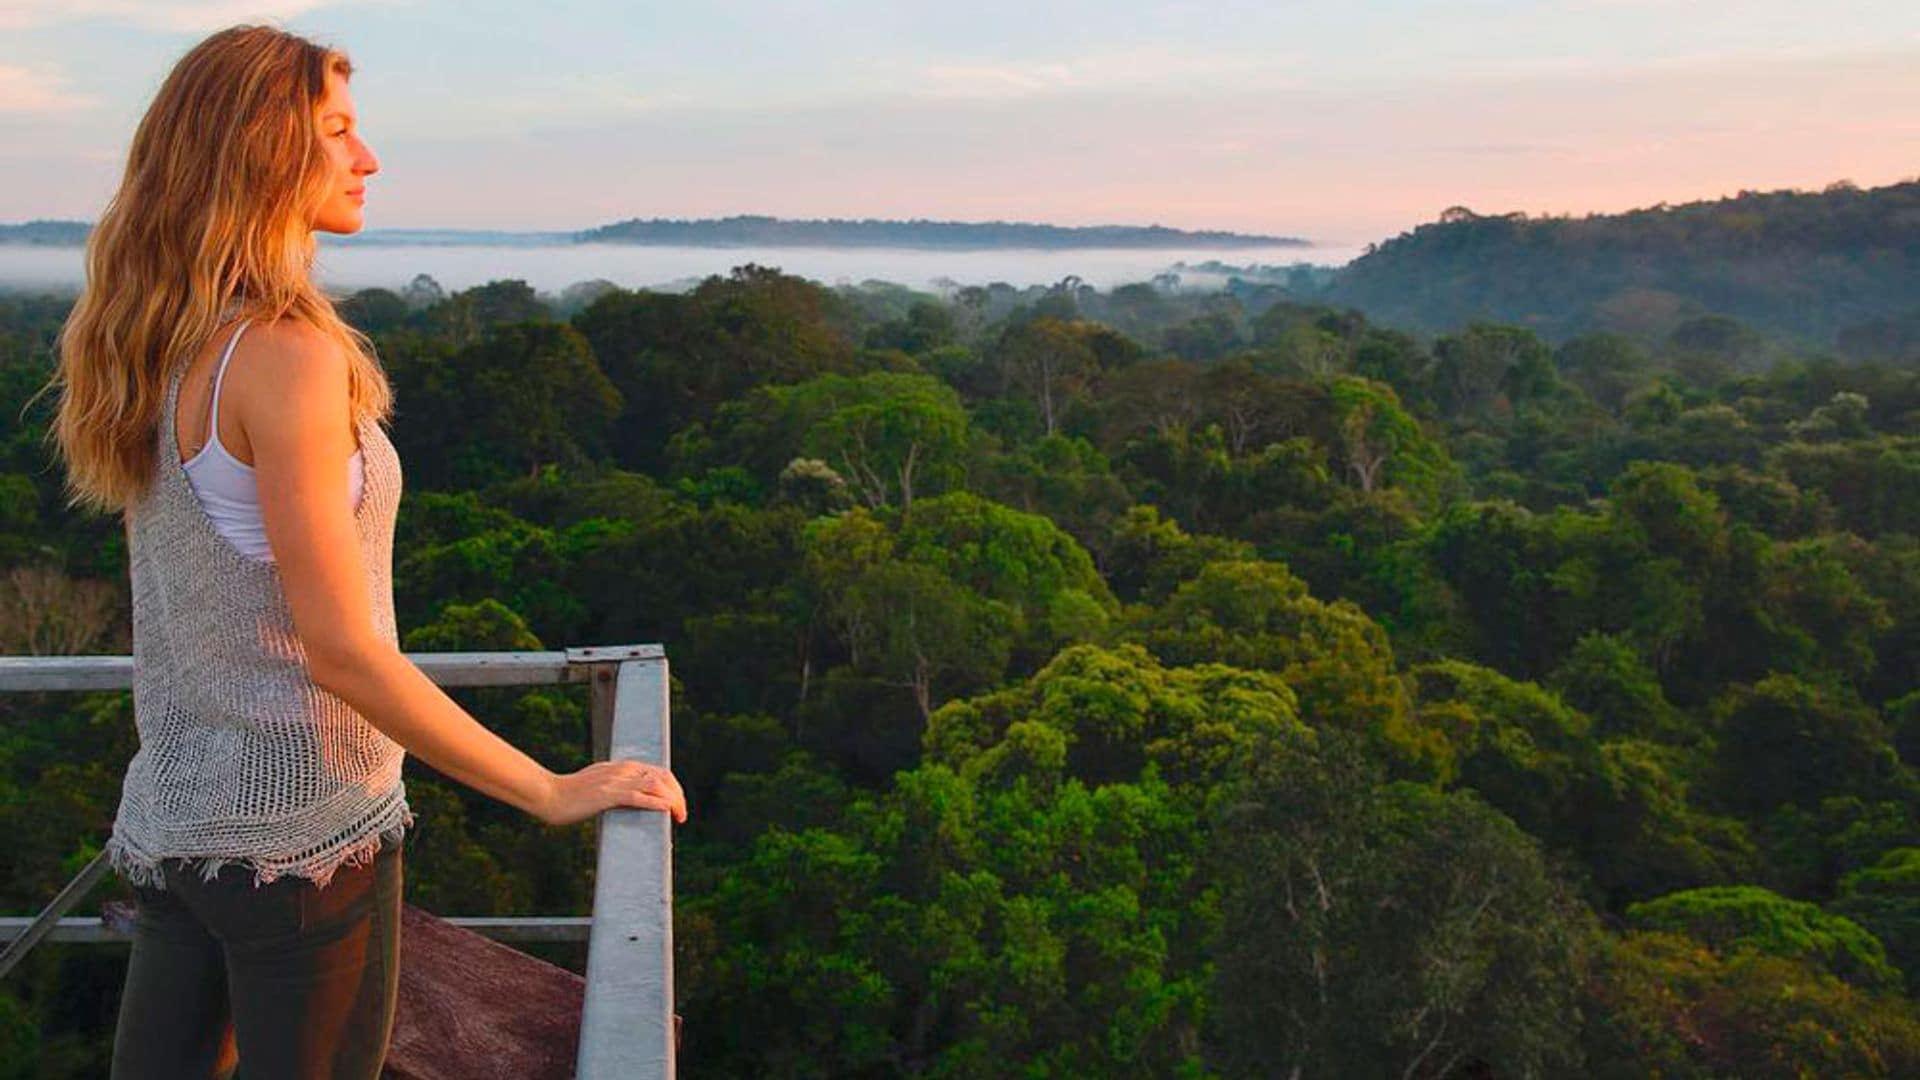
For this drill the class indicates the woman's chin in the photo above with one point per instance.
(341, 225)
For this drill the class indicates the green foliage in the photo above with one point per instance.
(675, 359)
(1519, 746)
(466, 316)
(1783, 740)
(1371, 930)
(1885, 899)
(1382, 446)
(1606, 366)
(1149, 556)
(447, 869)
(487, 626)
(957, 930)
(1606, 678)
(1258, 615)
(1063, 478)
(1874, 483)
(1648, 836)
(1664, 1004)
(1022, 664)
(887, 436)
(1050, 362)
(1731, 918)
(1488, 370)
(1808, 850)
(1191, 477)
(1102, 715)
(1009, 555)
(1803, 263)
(522, 396)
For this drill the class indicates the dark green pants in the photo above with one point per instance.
(301, 980)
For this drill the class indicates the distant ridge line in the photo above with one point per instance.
(752, 230)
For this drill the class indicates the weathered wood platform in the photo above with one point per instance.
(471, 1007)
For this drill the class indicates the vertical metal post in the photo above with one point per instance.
(626, 1025)
(600, 709)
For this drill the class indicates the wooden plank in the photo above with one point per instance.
(627, 1029)
(472, 1007)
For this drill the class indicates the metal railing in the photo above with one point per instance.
(626, 1026)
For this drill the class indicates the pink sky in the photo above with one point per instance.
(1341, 123)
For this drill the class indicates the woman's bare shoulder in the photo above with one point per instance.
(289, 366)
(290, 339)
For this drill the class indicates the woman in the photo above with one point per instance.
(211, 394)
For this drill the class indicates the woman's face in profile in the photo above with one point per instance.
(343, 208)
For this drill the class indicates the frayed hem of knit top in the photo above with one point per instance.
(147, 872)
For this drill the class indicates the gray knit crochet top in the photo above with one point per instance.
(243, 758)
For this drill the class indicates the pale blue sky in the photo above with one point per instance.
(1344, 122)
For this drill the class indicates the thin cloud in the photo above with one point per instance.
(182, 15)
(1130, 69)
(27, 91)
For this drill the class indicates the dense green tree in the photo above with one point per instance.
(1783, 740)
(911, 626)
(1520, 747)
(1885, 899)
(1873, 484)
(1050, 363)
(1607, 366)
(1257, 615)
(1488, 368)
(1063, 478)
(1104, 715)
(1150, 556)
(1192, 478)
(1022, 560)
(1371, 930)
(466, 316)
(1380, 444)
(927, 325)
(524, 396)
(1606, 678)
(891, 436)
(1737, 917)
(676, 358)
(1662, 1003)
(1028, 894)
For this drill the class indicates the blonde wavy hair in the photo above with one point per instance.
(212, 221)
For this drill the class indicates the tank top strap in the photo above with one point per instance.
(219, 375)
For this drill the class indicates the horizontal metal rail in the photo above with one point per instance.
(96, 931)
(29, 673)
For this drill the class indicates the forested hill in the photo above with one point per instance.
(744, 230)
(46, 233)
(1837, 267)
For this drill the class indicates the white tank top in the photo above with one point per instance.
(226, 487)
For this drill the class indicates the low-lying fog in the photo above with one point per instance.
(550, 269)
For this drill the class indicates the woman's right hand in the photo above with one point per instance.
(605, 785)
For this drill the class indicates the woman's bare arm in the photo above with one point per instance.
(288, 386)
